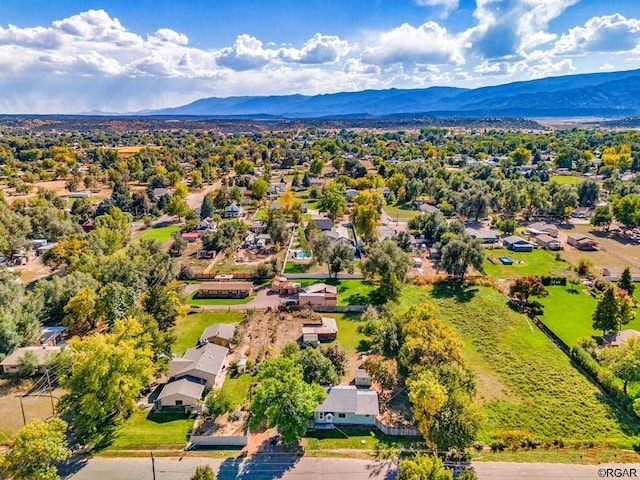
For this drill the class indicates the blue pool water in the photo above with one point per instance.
(302, 255)
(506, 260)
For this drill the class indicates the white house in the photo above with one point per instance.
(232, 211)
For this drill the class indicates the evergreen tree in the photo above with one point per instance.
(604, 316)
(625, 282)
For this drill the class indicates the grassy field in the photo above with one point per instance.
(191, 300)
(350, 292)
(402, 212)
(161, 234)
(568, 314)
(146, 430)
(348, 336)
(525, 382)
(189, 327)
(565, 179)
(359, 439)
(537, 262)
(236, 387)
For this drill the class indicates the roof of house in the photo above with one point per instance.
(48, 333)
(207, 358)
(189, 235)
(512, 239)
(42, 353)
(349, 399)
(233, 208)
(220, 330)
(543, 237)
(323, 223)
(577, 236)
(223, 286)
(542, 226)
(321, 288)
(183, 387)
(327, 326)
(482, 233)
(362, 373)
(617, 339)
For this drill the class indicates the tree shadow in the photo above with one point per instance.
(72, 466)
(166, 417)
(386, 467)
(363, 346)
(271, 461)
(461, 293)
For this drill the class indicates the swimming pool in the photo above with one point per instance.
(505, 260)
(302, 255)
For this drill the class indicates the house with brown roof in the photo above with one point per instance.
(220, 334)
(282, 285)
(318, 295)
(43, 354)
(225, 289)
(539, 228)
(581, 242)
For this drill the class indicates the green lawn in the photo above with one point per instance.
(350, 292)
(525, 382)
(191, 300)
(359, 439)
(292, 267)
(189, 327)
(402, 212)
(348, 336)
(569, 314)
(237, 387)
(538, 262)
(146, 430)
(565, 179)
(161, 234)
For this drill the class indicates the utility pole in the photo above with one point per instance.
(153, 466)
(53, 407)
(24, 418)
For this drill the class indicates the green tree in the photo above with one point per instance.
(208, 208)
(316, 166)
(164, 303)
(507, 226)
(602, 217)
(460, 253)
(423, 467)
(427, 396)
(37, 449)
(196, 179)
(340, 258)
(627, 210)
(112, 230)
(178, 207)
(382, 370)
(366, 213)
(385, 258)
(588, 193)
(337, 356)
(80, 314)
(103, 376)
(27, 365)
(283, 399)
(624, 361)
(625, 282)
(605, 315)
(316, 368)
(333, 200)
(115, 301)
(204, 472)
(218, 403)
(259, 189)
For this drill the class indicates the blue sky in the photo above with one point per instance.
(73, 56)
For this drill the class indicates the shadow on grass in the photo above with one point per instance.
(166, 417)
(461, 293)
(363, 346)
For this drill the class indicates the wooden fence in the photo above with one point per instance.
(397, 431)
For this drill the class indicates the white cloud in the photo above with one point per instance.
(246, 53)
(446, 6)
(429, 43)
(609, 33)
(318, 49)
(170, 36)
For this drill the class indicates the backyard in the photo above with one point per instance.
(538, 262)
(565, 179)
(236, 387)
(149, 430)
(401, 212)
(350, 292)
(525, 382)
(193, 300)
(189, 327)
(160, 234)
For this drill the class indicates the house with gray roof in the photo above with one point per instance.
(347, 405)
(182, 395)
(517, 244)
(220, 334)
(201, 364)
(618, 338)
(43, 355)
(232, 211)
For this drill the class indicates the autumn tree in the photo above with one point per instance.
(614, 309)
(103, 376)
(366, 213)
(383, 371)
(38, 448)
(283, 399)
(524, 287)
(80, 314)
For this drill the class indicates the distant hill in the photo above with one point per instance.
(610, 94)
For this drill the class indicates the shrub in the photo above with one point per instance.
(497, 445)
(584, 266)
(186, 273)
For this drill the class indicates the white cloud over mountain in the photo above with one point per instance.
(91, 60)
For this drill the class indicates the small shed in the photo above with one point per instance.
(242, 365)
(417, 262)
(362, 378)
(548, 242)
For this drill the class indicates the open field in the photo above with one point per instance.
(350, 292)
(192, 300)
(538, 262)
(568, 314)
(402, 213)
(359, 439)
(10, 412)
(615, 250)
(160, 234)
(147, 430)
(189, 327)
(525, 382)
(565, 179)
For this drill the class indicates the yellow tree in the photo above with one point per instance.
(366, 213)
(287, 201)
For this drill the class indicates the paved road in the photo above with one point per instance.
(260, 467)
(552, 471)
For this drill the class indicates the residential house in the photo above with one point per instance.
(220, 334)
(190, 236)
(202, 364)
(336, 237)
(517, 244)
(613, 274)
(232, 211)
(43, 354)
(539, 228)
(182, 395)
(158, 193)
(263, 240)
(316, 331)
(617, 339)
(204, 254)
(51, 336)
(80, 194)
(548, 242)
(347, 405)
(281, 285)
(582, 212)
(434, 253)
(424, 207)
(318, 295)
(581, 242)
(417, 262)
(362, 378)
(324, 224)
(258, 227)
(225, 289)
(45, 248)
(484, 235)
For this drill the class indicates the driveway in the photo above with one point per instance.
(264, 299)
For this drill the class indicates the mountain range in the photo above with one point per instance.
(610, 94)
